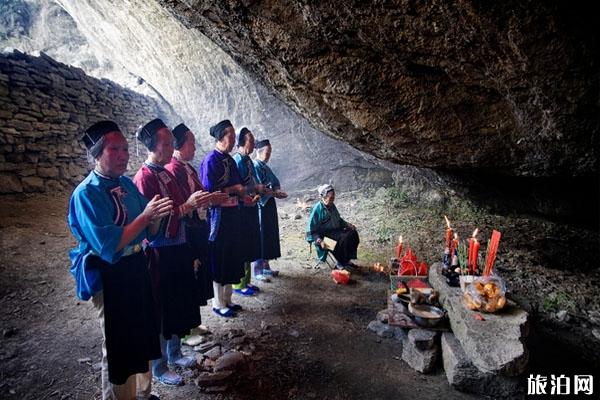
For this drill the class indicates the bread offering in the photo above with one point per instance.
(486, 294)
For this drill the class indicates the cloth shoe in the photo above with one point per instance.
(262, 278)
(224, 312)
(185, 362)
(247, 291)
(234, 307)
(254, 288)
(170, 378)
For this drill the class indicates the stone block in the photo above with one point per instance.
(20, 125)
(49, 112)
(8, 166)
(26, 170)
(383, 316)
(23, 78)
(421, 338)
(422, 361)
(53, 186)
(10, 184)
(24, 117)
(495, 345)
(466, 377)
(33, 184)
(229, 361)
(57, 81)
(212, 379)
(48, 172)
(14, 157)
(381, 329)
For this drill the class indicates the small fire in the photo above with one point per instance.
(447, 221)
(455, 236)
(475, 233)
(400, 240)
(378, 267)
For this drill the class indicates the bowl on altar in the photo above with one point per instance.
(426, 316)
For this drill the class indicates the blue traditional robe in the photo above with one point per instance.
(326, 221)
(99, 209)
(250, 221)
(269, 223)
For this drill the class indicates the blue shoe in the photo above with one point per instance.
(245, 291)
(170, 378)
(227, 314)
(185, 362)
(255, 289)
(234, 307)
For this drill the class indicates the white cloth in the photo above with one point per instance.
(324, 189)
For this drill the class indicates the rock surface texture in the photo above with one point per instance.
(205, 85)
(507, 87)
(44, 108)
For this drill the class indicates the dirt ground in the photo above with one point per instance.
(308, 336)
(312, 344)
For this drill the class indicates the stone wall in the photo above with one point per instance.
(44, 107)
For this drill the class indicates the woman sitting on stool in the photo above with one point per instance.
(325, 222)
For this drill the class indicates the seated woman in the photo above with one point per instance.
(325, 221)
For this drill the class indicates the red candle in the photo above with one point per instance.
(473, 253)
(399, 248)
(454, 244)
(448, 234)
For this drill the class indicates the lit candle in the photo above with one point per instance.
(399, 248)
(448, 234)
(473, 253)
(454, 245)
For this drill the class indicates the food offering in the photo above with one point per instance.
(486, 294)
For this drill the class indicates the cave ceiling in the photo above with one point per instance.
(506, 87)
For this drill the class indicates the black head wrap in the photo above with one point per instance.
(180, 132)
(147, 133)
(97, 131)
(218, 131)
(241, 139)
(262, 143)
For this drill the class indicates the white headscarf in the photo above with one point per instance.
(324, 189)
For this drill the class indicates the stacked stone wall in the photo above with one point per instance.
(44, 108)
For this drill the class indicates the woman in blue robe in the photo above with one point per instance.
(218, 172)
(269, 224)
(110, 219)
(325, 221)
(249, 210)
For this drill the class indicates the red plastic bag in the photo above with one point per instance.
(409, 265)
(341, 277)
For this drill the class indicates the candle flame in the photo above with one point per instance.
(475, 233)
(400, 240)
(447, 221)
(455, 236)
